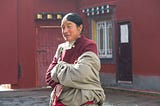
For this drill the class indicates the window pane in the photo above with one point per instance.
(101, 38)
(104, 38)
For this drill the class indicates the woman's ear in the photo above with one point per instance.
(80, 28)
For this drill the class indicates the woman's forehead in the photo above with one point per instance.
(66, 22)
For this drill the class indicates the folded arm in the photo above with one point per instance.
(82, 75)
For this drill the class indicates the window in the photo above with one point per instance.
(102, 34)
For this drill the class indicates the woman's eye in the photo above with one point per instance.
(69, 26)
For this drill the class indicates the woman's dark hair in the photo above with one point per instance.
(74, 17)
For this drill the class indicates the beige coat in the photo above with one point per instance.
(81, 82)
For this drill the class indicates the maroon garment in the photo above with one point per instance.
(48, 78)
(81, 46)
(87, 103)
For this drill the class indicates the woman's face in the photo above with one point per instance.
(70, 30)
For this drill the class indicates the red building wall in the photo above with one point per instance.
(144, 16)
(8, 42)
(109, 67)
(27, 10)
(18, 41)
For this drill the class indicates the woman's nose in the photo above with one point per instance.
(65, 30)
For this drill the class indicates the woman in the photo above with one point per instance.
(74, 71)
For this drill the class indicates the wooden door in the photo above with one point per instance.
(124, 53)
(48, 39)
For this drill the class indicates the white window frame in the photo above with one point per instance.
(104, 44)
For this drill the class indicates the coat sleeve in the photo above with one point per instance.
(48, 79)
(82, 75)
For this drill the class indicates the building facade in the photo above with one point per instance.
(126, 33)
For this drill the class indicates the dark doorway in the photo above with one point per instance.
(124, 53)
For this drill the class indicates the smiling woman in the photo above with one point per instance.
(71, 27)
(74, 71)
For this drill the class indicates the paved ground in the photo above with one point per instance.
(115, 97)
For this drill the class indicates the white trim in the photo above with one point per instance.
(50, 26)
(104, 49)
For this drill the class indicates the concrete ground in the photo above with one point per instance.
(114, 97)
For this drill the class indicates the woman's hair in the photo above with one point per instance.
(73, 17)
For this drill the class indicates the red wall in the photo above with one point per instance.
(27, 10)
(8, 42)
(144, 16)
(88, 3)
(18, 41)
(106, 67)
(26, 45)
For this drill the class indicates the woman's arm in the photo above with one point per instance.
(82, 75)
(48, 78)
(56, 58)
